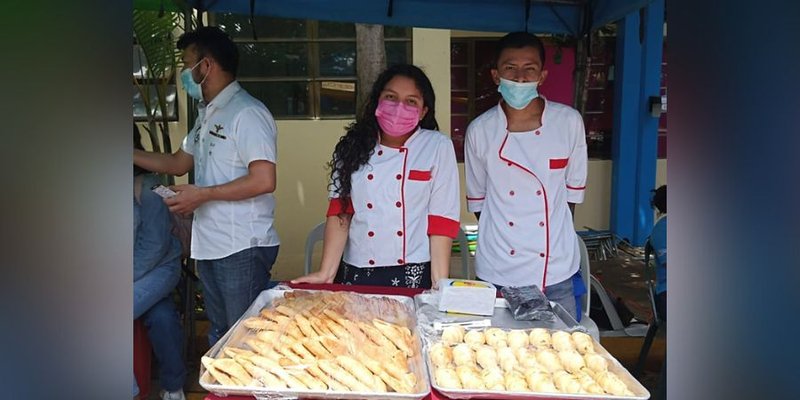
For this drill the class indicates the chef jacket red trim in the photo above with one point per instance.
(475, 198)
(546, 208)
(576, 188)
(418, 175)
(442, 226)
(558, 163)
(335, 207)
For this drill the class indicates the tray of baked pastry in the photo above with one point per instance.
(537, 363)
(320, 344)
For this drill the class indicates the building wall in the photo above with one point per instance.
(304, 147)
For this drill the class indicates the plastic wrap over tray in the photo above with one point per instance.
(472, 333)
(320, 344)
(636, 390)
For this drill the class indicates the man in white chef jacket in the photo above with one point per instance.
(525, 167)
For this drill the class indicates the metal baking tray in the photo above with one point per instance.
(639, 391)
(265, 298)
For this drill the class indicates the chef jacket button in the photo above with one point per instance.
(370, 233)
(541, 255)
(511, 193)
(399, 233)
(371, 262)
(398, 176)
(537, 132)
(509, 164)
(399, 261)
(402, 150)
(541, 223)
(398, 204)
(512, 252)
(369, 205)
(510, 223)
(380, 152)
(538, 192)
(369, 176)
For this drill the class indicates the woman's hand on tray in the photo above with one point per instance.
(314, 277)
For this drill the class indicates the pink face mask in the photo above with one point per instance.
(395, 118)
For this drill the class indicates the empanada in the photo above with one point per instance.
(470, 377)
(549, 360)
(486, 357)
(562, 341)
(583, 342)
(596, 362)
(447, 378)
(441, 354)
(539, 337)
(453, 334)
(474, 337)
(463, 355)
(517, 338)
(571, 361)
(515, 381)
(493, 378)
(496, 337)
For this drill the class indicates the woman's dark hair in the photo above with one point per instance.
(137, 144)
(356, 146)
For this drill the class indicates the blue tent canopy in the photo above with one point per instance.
(572, 17)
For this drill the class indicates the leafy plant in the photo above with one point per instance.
(154, 32)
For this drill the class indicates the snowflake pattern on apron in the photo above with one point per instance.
(414, 275)
(417, 275)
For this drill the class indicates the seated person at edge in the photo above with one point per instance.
(658, 239)
(394, 205)
(156, 271)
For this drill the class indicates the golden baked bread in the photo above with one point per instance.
(322, 341)
(516, 360)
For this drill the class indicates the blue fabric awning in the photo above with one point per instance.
(570, 17)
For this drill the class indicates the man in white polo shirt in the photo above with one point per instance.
(232, 149)
(525, 162)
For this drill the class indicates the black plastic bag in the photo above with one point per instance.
(528, 303)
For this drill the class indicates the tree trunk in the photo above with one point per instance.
(370, 59)
(583, 58)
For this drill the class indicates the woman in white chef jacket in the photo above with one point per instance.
(394, 203)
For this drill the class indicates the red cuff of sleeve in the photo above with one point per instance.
(335, 208)
(442, 226)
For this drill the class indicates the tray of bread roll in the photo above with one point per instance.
(320, 344)
(538, 363)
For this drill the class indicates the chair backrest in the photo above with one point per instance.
(649, 277)
(313, 237)
(463, 244)
(586, 274)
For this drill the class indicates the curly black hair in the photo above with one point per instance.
(357, 145)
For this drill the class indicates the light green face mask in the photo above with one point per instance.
(518, 94)
(193, 89)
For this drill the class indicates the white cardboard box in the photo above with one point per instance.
(467, 297)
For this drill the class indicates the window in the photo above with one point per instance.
(304, 69)
(472, 89)
(149, 89)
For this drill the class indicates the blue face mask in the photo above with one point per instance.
(518, 94)
(193, 89)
